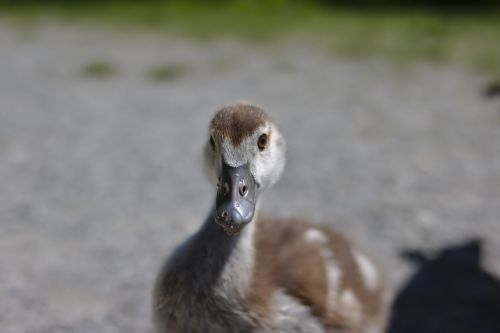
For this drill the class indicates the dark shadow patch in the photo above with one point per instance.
(449, 293)
(492, 90)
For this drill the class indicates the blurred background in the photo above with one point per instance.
(390, 109)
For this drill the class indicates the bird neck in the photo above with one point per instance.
(228, 259)
(211, 262)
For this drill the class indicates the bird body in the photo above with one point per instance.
(240, 273)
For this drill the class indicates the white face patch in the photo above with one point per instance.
(367, 270)
(313, 235)
(265, 166)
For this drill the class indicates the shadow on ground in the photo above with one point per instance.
(449, 293)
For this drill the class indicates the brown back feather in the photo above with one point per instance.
(285, 260)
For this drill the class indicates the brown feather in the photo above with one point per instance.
(237, 122)
(285, 260)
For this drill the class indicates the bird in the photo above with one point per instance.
(241, 273)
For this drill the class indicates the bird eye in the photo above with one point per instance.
(212, 143)
(262, 142)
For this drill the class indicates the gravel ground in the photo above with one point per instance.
(100, 176)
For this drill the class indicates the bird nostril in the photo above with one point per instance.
(243, 190)
(224, 214)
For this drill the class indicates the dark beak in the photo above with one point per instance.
(236, 198)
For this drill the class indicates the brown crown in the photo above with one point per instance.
(237, 122)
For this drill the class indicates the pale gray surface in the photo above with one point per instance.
(100, 178)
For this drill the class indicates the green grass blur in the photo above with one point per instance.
(403, 34)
